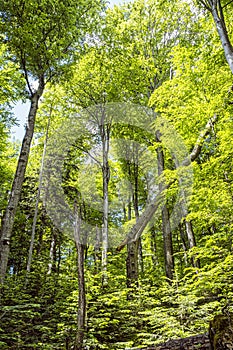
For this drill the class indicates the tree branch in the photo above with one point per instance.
(23, 61)
(207, 7)
(150, 210)
(228, 3)
(201, 139)
(143, 220)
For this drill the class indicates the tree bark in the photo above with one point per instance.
(150, 210)
(38, 198)
(216, 10)
(153, 246)
(143, 220)
(132, 247)
(166, 227)
(97, 246)
(132, 264)
(51, 255)
(10, 212)
(221, 332)
(192, 241)
(183, 242)
(81, 282)
(105, 134)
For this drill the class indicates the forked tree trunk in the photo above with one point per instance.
(10, 212)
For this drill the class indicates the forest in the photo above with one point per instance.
(116, 207)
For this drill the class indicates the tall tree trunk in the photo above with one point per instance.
(132, 260)
(133, 247)
(153, 246)
(167, 243)
(38, 198)
(106, 178)
(216, 10)
(132, 264)
(191, 241)
(81, 282)
(10, 212)
(183, 242)
(166, 227)
(152, 207)
(51, 255)
(97, 249)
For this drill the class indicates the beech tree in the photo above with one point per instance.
(217, 8)
(42, 38)
(64, 307)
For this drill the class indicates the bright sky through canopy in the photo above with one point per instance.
(21, 110)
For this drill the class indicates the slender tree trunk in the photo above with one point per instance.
(191, 241)
(153, 246)
(10, 212)
(97, 249)
(152, 207)
(217, 14)
(51, 255)
(216, 9)
(132, 260)
(38, 199)
(133, 247)
(105, 228)
(81, 282)
(168, 247)
(166, 227)
(140, 257)
(183, 243)
(105, 138)
(183, 206)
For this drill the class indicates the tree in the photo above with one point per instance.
(166, 226)
(216, 8)
(42, 37)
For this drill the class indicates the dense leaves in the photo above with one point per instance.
(159, 56)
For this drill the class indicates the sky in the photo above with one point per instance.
(21, 110)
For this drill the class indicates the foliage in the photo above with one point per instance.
(166, 54)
